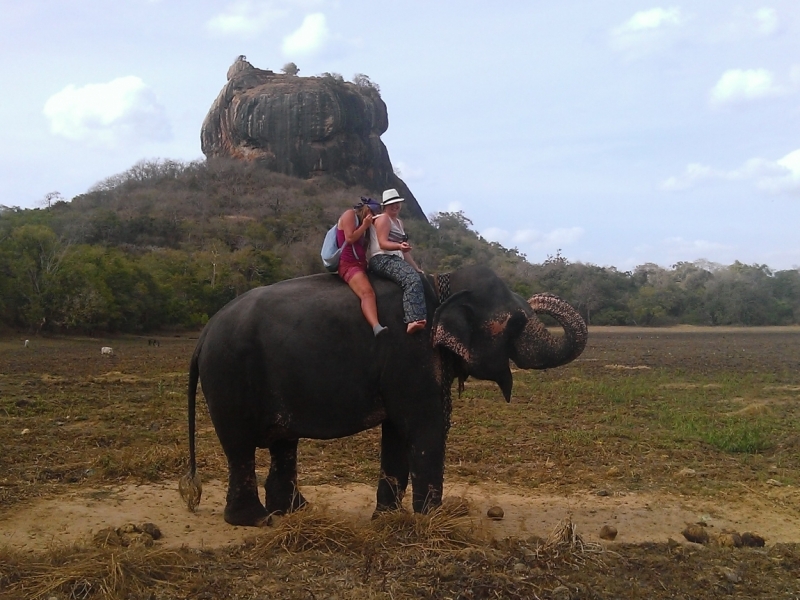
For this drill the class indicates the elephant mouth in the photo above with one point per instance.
(501, 375)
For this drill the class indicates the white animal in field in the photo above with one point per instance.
(27, 342)
(107, 351)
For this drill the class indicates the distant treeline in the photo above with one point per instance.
(166, 244)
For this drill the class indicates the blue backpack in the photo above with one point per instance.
(331, 251)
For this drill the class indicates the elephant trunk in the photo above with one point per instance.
(537, 348)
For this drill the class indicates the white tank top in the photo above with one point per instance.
(396, 234)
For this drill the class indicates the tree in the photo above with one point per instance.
(290, 69)
(364, 82)
(37, 255)
(451, 220)
(336, 77)
(51, 198)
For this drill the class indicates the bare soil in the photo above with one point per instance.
(638, 517)
(649, 431)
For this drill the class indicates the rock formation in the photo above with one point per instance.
(303, 126)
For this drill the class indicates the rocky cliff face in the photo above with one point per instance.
(303, 126)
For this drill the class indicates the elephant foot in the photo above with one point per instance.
(297, 502)
(430, 502)
(429, 507)
(383, 509)
(247, 516)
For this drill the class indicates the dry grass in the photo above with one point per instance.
(566, 544)
(90, 423)
(81, 573)
(305, 530)
(397, 555)
(310, 554)
(444, 529)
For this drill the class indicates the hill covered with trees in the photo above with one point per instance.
(165, 244)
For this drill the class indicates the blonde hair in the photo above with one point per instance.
(363, 212)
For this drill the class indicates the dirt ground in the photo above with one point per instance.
(648, 432)
(638, 517)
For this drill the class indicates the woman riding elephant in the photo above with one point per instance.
(351, 236)
(390, 256)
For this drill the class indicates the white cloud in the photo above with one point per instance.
(309, 38)
(741, 85)
(408, 172)
(794, 75)
(778, 176)
(676, 249)
(124, 109)
(786, 181)
(245, 18)
(693, 247)
(646, 30)
(694, 173)
(747, 25)
(533, 239)
(495, 234)
(651, 19)
(766, 21)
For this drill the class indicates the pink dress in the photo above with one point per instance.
(353, 258)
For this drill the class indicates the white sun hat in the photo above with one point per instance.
(390, 197)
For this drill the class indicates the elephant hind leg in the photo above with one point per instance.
(243, 506)
(283, 496)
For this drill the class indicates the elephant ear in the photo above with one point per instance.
(452, 324)
(456, 326)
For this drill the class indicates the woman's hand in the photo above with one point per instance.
(405, 246)
(367, 220)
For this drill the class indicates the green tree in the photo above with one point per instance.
(364, 83)
(34, 256)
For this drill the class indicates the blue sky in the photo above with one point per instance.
(620, 132)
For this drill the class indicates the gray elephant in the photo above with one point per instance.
(297, 360)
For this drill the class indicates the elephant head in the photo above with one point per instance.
(486, 325)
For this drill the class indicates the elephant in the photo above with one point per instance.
(296, 359)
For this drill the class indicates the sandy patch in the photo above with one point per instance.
(75, 516)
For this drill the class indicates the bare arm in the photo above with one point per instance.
(407, 254)
(382, 228)
(347, 223)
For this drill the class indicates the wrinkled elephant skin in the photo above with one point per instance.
(297, 360)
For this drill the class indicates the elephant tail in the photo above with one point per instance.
(190, 485)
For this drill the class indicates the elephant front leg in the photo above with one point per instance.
(281, 485)
(243, 506)
(394, 469)
(427, 470)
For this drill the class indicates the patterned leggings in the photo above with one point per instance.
(403, 274)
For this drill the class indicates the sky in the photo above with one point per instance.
(617, 133)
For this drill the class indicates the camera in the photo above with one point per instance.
(404, 238)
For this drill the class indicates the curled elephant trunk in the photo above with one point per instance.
(537, 348)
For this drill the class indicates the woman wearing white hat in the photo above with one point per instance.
(389, 256)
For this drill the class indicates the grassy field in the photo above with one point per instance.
(703, 413)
